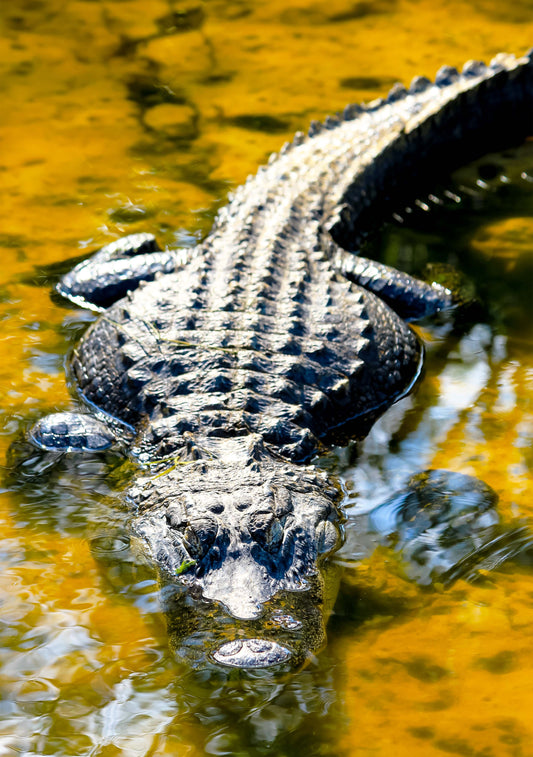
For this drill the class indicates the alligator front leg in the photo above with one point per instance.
(116, 269)
(71, 432)
(408, 296)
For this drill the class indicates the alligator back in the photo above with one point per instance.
(182, 359)
(258, 333)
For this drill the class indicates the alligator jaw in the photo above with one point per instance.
(289, 632)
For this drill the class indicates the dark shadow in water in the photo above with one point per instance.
(259, 122)
(381, 83)
(446, 228)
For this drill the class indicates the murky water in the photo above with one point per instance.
(122, 115)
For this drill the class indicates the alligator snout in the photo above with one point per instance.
(240, 548)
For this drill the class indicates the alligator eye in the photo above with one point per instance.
(266, 530)
(175, 516)
(283, 504)
(200, 536)
(327, 537)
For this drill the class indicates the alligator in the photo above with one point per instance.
(223, 369)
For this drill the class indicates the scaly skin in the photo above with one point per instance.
(248, 351)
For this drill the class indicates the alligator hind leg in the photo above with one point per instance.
(117, 269)
(71, 432)
(410, 297)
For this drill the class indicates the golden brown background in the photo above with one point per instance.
(122, 115)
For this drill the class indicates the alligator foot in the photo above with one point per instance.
(410, 297)
(71, 432)
(116, 269)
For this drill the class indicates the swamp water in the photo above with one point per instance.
(126, 115)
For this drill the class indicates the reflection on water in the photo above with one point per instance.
(126, 115)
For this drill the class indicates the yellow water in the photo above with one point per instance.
(121, 115)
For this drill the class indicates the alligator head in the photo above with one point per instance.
(239, 535)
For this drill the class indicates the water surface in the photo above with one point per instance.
(126, 115)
